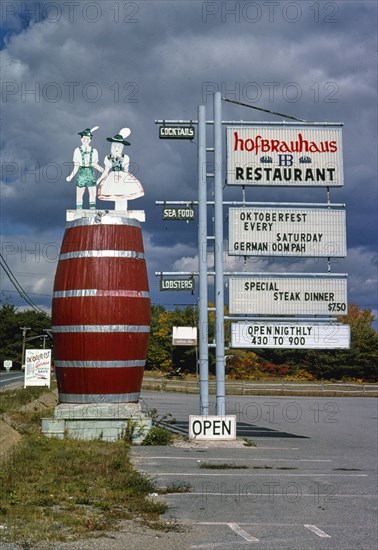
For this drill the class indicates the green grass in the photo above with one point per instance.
(60, 490)
(11, 400)
(176, 487)
(158, 436)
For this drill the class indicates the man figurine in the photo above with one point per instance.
(85, 158)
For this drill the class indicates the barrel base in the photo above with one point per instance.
(105, 421)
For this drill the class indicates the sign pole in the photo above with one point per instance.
(219, 285)
(202, 265)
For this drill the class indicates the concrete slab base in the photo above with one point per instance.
(105, 421)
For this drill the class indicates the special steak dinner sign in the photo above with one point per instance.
(305, 156)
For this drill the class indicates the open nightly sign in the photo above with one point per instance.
(294, 335)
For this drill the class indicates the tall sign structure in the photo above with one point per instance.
(291, 310)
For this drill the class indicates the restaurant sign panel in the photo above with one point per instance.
(307, 156)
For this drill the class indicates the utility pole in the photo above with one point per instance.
(24, 329)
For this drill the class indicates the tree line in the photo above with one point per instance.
(360, 362)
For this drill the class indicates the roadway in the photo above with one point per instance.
(11, 379)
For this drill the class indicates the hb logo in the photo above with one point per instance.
(285, 160)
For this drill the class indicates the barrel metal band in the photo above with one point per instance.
(93, 292)
(100, 328)
(99, 398)
(99, 364)
(102, 254)
(103, 220)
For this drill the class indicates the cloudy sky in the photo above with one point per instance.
(71, 65)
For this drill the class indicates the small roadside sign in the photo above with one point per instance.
(177, 284)
(176, 132)
(212, 427)
(8, 365)
(178, 214)
(37, 367)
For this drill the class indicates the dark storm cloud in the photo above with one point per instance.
(120, 66)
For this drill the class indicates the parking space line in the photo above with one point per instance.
(197, 474)
(220, 494)
(218, 544)
(234, 459)
(246, 536)
(317, 531)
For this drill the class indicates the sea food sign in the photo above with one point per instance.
(295, 155)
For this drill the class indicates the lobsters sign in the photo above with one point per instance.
(298, 156)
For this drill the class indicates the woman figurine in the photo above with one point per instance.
(116, 183)
(85, 158)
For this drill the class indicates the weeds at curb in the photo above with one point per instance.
(225, 466)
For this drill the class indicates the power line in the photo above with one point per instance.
(17, 285)
(30, 293)
(261, 109)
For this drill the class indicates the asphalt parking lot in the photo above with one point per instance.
(309, 482)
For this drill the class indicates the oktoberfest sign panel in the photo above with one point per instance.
(293, 335)
(295, 155)
(287, 232)
(288, 295)
(37, 367)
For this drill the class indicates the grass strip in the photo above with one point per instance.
(64, 489)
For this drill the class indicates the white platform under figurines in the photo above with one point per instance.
(72, 215)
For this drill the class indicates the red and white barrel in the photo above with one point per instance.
(101, 311)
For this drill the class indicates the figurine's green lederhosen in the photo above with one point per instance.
(85, 175)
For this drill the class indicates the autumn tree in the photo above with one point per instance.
(161, 354)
